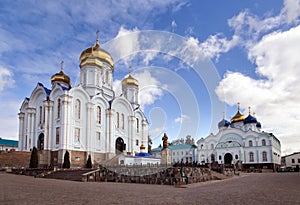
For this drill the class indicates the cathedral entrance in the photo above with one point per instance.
(212, 158)
(40, 142)
(120, 145)
(227, 158)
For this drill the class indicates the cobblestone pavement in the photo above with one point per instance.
(263, 188)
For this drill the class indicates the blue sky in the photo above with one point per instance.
(193, 59)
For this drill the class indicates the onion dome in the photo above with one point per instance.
(142, 147)
(250, 118)
(238, 116)
(95, 55)
(61, 76)
(223, 123)
(130, 81)
(258, 125)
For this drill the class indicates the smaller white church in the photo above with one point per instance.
(242, 140)
(85, 119)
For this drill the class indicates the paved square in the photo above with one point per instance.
(264, 188)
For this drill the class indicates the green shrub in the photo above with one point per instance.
(89, 162)
(34, 160)
(66, 163)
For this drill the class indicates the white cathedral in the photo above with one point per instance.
(241, 140)
(87, 119)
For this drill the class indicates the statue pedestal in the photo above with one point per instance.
(165, 157)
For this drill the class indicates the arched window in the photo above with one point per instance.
(98, 79)
(41, 114)
(251, 156)
(122, 118)
(57, 135)
(212, 146)
(58, 108)
(250, 143)
(118, 120)
(44, 114)
(77, 135)
(106, 77)
(77, 109)
(236, 156)
(263, 142)
(26, 142)
(98, 138)
(137, 125)
(264, 156)
(99, 115)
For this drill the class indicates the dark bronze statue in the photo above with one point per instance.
(165, 141)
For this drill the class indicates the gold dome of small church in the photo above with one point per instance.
(61, 76)
(238, 116)
(93, 53)
(130, 81)
(142, 147)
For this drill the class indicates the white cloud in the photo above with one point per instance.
(181, 118)
(250, 28)
(126, 46)
(275, 96)
(6, 79)
(291, 10)
(117, 86)
(173, 24)
(193, 50)
(215, 45)
(150, 88)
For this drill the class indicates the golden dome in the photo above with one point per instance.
(89, 56)
(238, 116)
(142, 147)
(60, 77)
(130, 81)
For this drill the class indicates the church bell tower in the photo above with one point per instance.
(96, 71)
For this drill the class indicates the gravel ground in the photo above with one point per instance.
(254, 188)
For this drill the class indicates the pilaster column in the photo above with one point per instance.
(21, 131)
(33, 131)
(109, 128)
(131, 133)
(46, 125)
(50, 124)
(65, 116)
(30, 127)
(89, 140)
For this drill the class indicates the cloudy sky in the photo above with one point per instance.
(194, 59)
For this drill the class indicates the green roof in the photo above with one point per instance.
(175, 147)
(11, 143)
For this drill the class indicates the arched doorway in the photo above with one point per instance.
(227, 158)
(120, 146)
(40, 142)
(212, 158)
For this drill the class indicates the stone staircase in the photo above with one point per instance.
(67, 174)
(112, 161)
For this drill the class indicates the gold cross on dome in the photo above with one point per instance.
(97, 33)
(97, 41)
(61, 65)
(130, 69)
